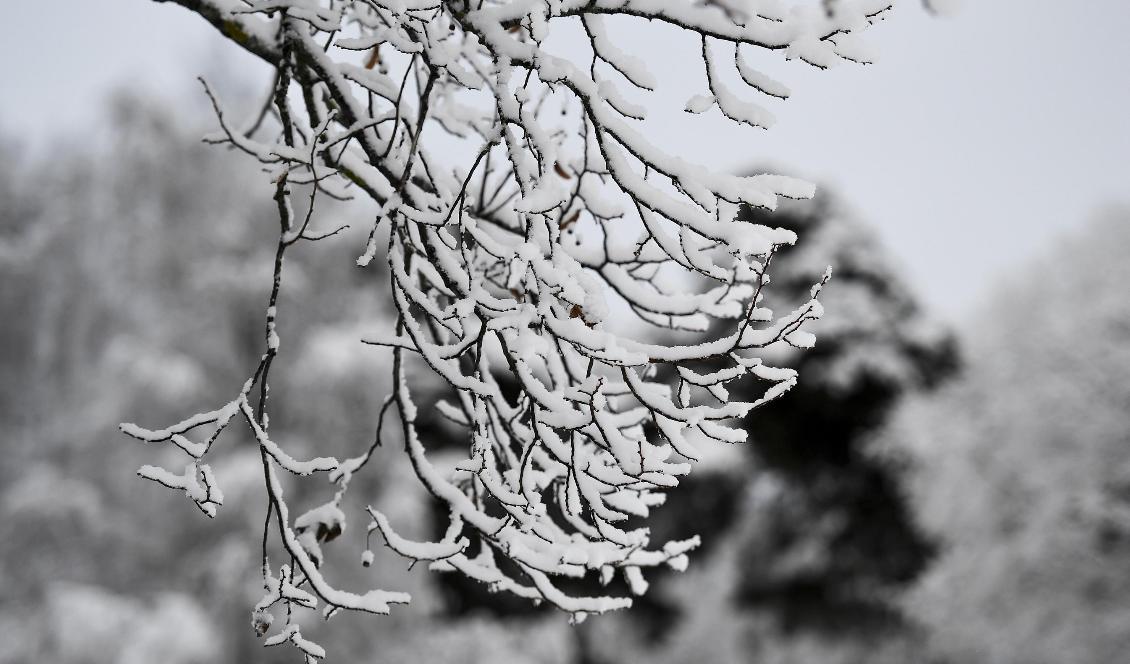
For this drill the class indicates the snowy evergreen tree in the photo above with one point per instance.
(835, 530)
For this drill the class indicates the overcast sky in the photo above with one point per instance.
(972, 144)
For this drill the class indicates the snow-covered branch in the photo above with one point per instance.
(493, 286)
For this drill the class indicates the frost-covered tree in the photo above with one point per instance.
(109, 309)
(490, 151)
(1023, 471)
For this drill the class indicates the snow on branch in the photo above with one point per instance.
(491, 283)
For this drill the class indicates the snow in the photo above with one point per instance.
(700, 103)
(419, 550)
(633, 69)
(293, 634)
(197, 482)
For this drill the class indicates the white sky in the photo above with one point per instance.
(972, 144)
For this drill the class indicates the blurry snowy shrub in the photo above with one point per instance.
(121, 288)
(1023, 466)
(89, 624)
(526, 217)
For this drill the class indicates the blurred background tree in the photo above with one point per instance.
(835, 529)
(1023, 466)
(127, 278)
